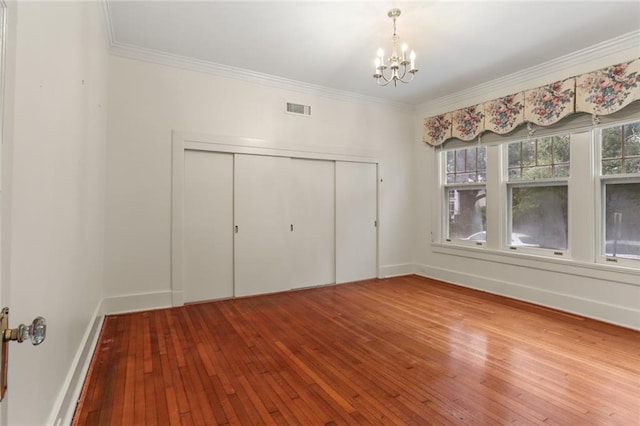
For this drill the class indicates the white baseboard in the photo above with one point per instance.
(65, 405)
(136, 302)
(388, 271)
(618, 315)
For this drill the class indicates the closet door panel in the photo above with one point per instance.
(262, 261)
(356, 215)
(208, 224)
(312, 203)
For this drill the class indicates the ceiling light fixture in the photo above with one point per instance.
(394, 61)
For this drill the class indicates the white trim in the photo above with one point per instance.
(613, 314)
(136, 302)
(390, 271)
(616, 274)
(105, 11)
(67, 400)
(239, 145)
(539, 74)
(220, 70)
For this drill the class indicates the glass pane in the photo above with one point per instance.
(632, 144)
(482, 159)
(467, 213)
(514, 174)
(482, 177)
(612, 142)
(545, 151)
(632, 165)
(450, 161)
(451, 178)
(622, 220)
(539, 217)
(561, 149)
(514, 154)
(562, 170)
(528, 153)
(532, 173)
(460, 160)
(465, 177)
(471, 159)
(611, 167)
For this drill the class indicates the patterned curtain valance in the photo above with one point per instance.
(600, 92)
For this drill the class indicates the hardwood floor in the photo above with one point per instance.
(405, 350)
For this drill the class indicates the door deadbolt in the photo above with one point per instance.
(36, 332)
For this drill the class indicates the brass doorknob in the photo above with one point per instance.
(36, 332)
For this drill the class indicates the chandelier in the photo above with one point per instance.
(395, 62)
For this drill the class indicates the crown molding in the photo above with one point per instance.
(106, 20)
(506, 84)
(190, 64)
(124, 50)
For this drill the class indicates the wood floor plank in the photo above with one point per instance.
(405, 350)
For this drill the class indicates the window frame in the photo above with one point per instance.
(445, 187)
(505, 244)
(601, 180)
(539, 251)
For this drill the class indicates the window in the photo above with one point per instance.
(465, 174)
(620, 192)
(537, 175)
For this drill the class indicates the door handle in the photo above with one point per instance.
(36, 332)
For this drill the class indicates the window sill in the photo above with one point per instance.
(618, 273)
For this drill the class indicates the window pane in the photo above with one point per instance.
(482, 159)
(539, 217)
(514, 154)
(528, 153)
(632, 165)
(466, 165)
(620, 151)
(544, 158)
(460, 163)
(561, 149)
(467, 212)
(622, 220)
(612, 142)
(562, 170)
(450, 161)
(545, 151)
(611, 167)
(471, 159)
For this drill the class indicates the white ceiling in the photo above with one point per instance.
(333, 44)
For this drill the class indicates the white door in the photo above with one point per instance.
(356, 220)
(208, 225)
(312, 203)
(262, 263)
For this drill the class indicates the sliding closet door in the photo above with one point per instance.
(262, 263)
(312, 203)
(208, 226)
(356, 215)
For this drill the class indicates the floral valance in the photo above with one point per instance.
(600, 92)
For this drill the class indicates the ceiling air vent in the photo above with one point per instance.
(298, 109)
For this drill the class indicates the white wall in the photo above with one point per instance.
(147, 101)
(57, 98)
(607, 293)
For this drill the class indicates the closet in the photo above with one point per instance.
(255, 224)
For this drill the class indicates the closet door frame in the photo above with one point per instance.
(182, 141)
